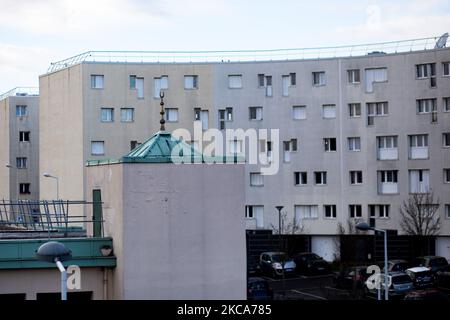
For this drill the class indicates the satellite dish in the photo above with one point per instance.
(442, 41)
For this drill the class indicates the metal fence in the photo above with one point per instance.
(20, 92)
(246, 55)
(44, 216)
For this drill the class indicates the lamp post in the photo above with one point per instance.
(56, 252)
(48, 175)
(364, 226)
(279, 208)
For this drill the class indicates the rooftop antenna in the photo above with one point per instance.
(442, 41)
(162, 121)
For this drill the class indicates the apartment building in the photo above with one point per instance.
(19, 144)
(358, 134)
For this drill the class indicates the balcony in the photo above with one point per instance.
(418, 153)
(387, 187)
(387, 153)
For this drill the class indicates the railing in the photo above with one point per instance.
(20, 91)
(246, 55)
(44, 216)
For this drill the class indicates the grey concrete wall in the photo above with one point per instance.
(183, 233)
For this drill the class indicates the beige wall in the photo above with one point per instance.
(61, 133)
(183, 231)
(4, 150)
(33, 281)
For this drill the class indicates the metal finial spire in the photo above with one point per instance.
(162, 121)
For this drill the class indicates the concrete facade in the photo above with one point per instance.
(69, 91)
(175, 236)
(11, 148)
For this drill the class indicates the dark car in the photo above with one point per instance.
(426, 294)
(397, 265)
(276, 264)
(442, 278)
(422, 277)
(258, 289)
(351, 278)
(252, 266)
(311, 264)
(434, 263)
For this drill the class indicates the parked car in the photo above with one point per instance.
(401, 284)
(351, 278)
(426, 294)
(434, 263)
(252, 265)
(311, 264)
(442, 278)
(271, 263)
(422, 277)
(259, 289)
(397, 265)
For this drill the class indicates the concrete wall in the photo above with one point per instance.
(183, 231)
(443, 247)
(33, 281)
(4, 150)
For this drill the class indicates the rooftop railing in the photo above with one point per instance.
(20, 92)
(246, 55)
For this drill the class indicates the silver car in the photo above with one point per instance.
(400, 285)
(272, 263)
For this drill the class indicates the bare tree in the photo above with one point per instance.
(287, 227)
(420, 215)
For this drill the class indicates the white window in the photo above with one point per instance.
(300, 178)
(235, 81)
(377, 109)
(419, 181)
(354, 144)
(268, 83)
(299, 112)
(446, 68)
(355, 211)
(191, 82)
(446, 104)
(425, 70)
(172, 114)
(203, 116)
(418, 146)
(225, 115)
(97, 81)
(387, 148)
(235, 147)
(447, 175)
(21, 163)
(127, 114)
(256, 179)
(354, 110)
(319, 78)
(97, 148)
(257, 213)
(375, 75)
(107, 114)
(306, 212)
(353, 76)
(329, 211)
(356, 177)
(255, 113)
(387, 182)
(426, 105)
(161, 83)
(288, 147)
(329, 144)
(21, 111)
(329, 111)
(140, 88)
(320, 177)
(286, 83)
(24, 136)
(446, 139)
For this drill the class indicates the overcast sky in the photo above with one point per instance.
(34, 33)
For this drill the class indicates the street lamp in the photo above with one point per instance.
(56, 252)
(48, 175)
(279, 208)
(364, 226)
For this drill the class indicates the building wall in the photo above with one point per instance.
(13, 148)
(181, 237)
(33, 281)
(61, 128)
(401, 91)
